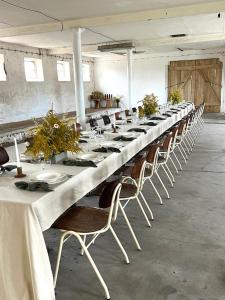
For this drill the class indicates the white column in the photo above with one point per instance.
(129, 77)
(78, 76)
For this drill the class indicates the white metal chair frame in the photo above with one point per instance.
(164, 164)
(152, 165)
(67, 234)
(139, 185)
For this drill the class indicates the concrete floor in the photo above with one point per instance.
(183, 256)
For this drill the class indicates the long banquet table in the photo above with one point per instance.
(25, 271)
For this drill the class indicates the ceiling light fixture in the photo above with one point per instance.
(178, 35)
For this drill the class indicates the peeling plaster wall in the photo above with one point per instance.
(21, 100)
(150, 74)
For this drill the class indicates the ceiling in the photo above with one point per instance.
(147, 35)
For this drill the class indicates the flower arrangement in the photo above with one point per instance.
(175, 97)
(117, 100)
(97, 95)
(52, 136)
(149, 105)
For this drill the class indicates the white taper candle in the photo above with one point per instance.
(114, 121)
(17, 154)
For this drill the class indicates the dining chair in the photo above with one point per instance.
(132, 184)
(179, 140)
(93, 123)
(117, 116)
(164, 154)
(174, 132)
(4, 157)
(81, 221)
(127, 113)
(106, 120)
(151, 167)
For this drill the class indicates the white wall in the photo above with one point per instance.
(21, 100)
(149, 73)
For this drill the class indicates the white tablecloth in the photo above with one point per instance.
(25, 272)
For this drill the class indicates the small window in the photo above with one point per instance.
(86, 73)
(2, 68)
(33, 69)
(63, 70)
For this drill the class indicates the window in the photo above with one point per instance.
(86, 73)
(2, 68)
(63, 70)
(33, 69)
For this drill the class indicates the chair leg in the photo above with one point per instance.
(82, 250)
(58, 258)
(177, 160)
(129, 226)
(165, 189)
(170, 173)
(146, 203)
(179, 148)
(175, 167)
(143, 212)
(119, 244)
(94, 266)
(164, 169)
(156, 191)
(185, 154)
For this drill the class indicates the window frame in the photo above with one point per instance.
(66, 71)
(2, 67)
(38, 69)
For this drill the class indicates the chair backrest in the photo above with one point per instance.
(166, 147)
(106, 119)
(117, 116)
(174, 132)
(137, 172)
(109, 199)
(127, 112)
(181, 127)
(4, 157)
(152, 156)
(93, 123)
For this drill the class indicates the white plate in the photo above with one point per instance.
(85, 133)
(48, 176)
(128, 134)
(91, 156)
(112, 144)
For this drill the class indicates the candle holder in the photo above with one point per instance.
(19, 173)
(114, 129)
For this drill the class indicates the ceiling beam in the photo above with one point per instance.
(147, 15)
(189, 39)
(167, 41)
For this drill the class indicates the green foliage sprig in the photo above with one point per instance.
(175, 97)
(149, 105)
(53, 136)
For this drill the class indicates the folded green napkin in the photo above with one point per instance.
(149, 124)
(80, 163)
(33, 186)
(138, 130)
(157, 118)
(124, 138)
(107, 149)
(7, 168)
(82, 141)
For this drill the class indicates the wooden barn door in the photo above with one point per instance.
(199, 80)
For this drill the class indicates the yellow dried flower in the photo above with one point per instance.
(53, 136)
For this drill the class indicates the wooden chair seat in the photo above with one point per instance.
(82, 219)
(128, 190)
